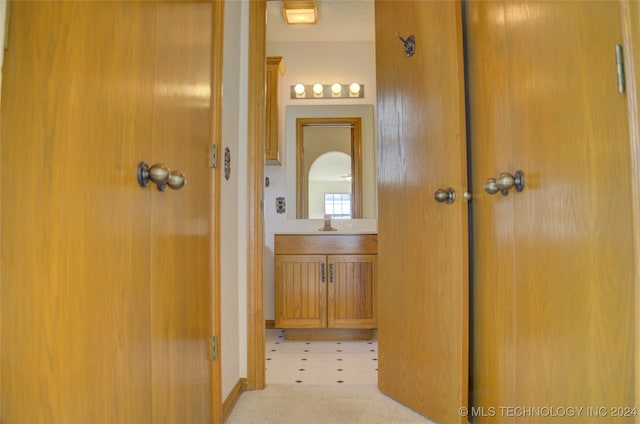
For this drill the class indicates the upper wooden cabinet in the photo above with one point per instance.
(273, 147)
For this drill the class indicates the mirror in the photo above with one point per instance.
(328, 168)
(319, 118)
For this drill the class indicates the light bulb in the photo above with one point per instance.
(299, 89)
(354, 89)
(317, 89)
(336, 89)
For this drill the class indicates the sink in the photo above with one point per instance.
(342, 226)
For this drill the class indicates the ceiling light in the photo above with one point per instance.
(300, 11)
(327, 91)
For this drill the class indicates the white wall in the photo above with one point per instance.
(310, 62)
(233, 235)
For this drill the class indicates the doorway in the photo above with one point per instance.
(348, 108)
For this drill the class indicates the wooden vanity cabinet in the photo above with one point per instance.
(325, 281)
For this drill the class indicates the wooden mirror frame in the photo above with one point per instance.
(356, 162)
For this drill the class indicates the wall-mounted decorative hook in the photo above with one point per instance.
(409, 44)
(161, 175)
(227, 163)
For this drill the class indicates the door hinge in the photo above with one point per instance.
(213, 156)
(213, 348)
(620, 68)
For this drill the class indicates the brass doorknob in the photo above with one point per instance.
(490, 186)
(176, 180)
(504, 183)
(447, 196)
(161, 175)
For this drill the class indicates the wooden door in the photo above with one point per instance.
(180, 220)
(351, 296)
(492, 369)
(422, 254)
(104, 284)
(301, 291)
(75, 224)
(566, 327)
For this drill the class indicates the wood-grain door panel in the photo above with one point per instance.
(574, 263)
(422, 245)
(105, 299)
(493, 377)
(553, 265)
(76, 119)
(179, 220)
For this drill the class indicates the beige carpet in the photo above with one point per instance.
(321, 404)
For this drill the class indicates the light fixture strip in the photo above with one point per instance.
(300, 12)
(329, 91)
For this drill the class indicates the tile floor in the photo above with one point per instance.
(299, 362)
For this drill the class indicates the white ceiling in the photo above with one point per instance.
(338, 20)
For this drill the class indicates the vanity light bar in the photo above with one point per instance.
(327, 91)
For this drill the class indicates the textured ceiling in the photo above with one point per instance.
(338, 20)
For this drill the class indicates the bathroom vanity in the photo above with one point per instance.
(325, 285)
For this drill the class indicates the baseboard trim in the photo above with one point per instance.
(270, 323)
(231, 400)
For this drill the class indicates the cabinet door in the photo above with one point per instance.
(275, 68)
(300, 291)
(351, 291)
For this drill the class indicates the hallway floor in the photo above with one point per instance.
(321, 383)
(326, 362)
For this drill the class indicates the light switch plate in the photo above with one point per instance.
(281, 205)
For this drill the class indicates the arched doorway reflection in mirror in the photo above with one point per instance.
(328, 168)
(329, 186)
